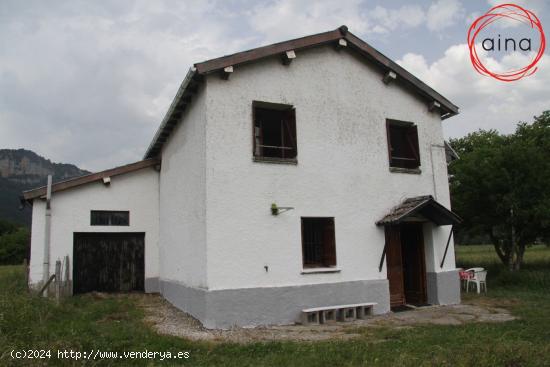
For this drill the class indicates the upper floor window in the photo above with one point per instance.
(274, 131)
(403, 144)
(318, 242)
(110, 218)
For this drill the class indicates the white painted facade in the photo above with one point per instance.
(136, 192)
(342, 171)
(183, 200)
(207, 214)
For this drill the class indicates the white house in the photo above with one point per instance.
(308, 173)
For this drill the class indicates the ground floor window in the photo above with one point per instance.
(318, 242)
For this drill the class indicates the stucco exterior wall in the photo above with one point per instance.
(136, 191)
(182, 199)
(342, 171)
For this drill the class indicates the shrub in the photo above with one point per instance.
(14, 244)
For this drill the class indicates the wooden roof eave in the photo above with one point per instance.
(354, 42)
(40, 192)
(200, 69)
(177, 106)
(370, 52)
(255, 54)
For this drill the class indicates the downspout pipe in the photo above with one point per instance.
(47, 234)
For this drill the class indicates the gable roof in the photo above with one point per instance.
(92, 177)
(426, 206)
(195, 75)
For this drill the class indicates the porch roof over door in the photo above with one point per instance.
(420, 208)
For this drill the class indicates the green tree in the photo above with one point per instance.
(6, 227)
(500, 186)
(14, 243)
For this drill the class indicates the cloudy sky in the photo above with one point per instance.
(88, 82)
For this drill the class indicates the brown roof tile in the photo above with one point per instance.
(426, 206)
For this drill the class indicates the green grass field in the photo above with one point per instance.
(85, 323)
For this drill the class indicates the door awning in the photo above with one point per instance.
(420, 208)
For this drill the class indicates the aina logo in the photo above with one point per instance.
(506, 15)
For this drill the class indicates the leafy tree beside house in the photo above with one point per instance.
(501, 187)
(14, 243)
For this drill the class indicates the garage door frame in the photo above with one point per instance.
(111, 272)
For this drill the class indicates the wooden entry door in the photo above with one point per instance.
(108, 262)
(394, 263)
(414, 267)
(406, 264)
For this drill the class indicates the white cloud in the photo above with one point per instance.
(407, 16)
(472, 17)
(537, 6)
(444, 13)
(89, 82)
(484, 102)
(284, 19)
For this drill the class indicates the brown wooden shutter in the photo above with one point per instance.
(257, 133)
(412, 139)
(388, 136)
(329, 245)
(258, 140)
(290, 133)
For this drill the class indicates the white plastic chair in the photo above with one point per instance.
(472, 271)
(478, 278)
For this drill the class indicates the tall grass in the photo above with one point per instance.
(20, 314)
(115, 323)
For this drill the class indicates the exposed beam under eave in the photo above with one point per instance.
(226, 72)
(288, 57)
(389, 77)
(341, 33)
(266, 51)
(342, 43)
(338, 38)
(434, 105)
(104, 176)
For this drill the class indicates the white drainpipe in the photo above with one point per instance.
(47, 234)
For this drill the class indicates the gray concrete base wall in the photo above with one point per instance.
(222, 309)
(443, 288)
(188, 299)
(152, 285)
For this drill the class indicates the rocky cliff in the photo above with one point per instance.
(22, 169)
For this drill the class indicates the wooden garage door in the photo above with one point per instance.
(108, 262)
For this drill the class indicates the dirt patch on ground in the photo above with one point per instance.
(167, 319)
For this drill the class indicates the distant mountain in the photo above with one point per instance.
(22, 169)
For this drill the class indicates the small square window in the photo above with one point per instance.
(274, 131)
(110, 218)
(318, 242)
(403, 144)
